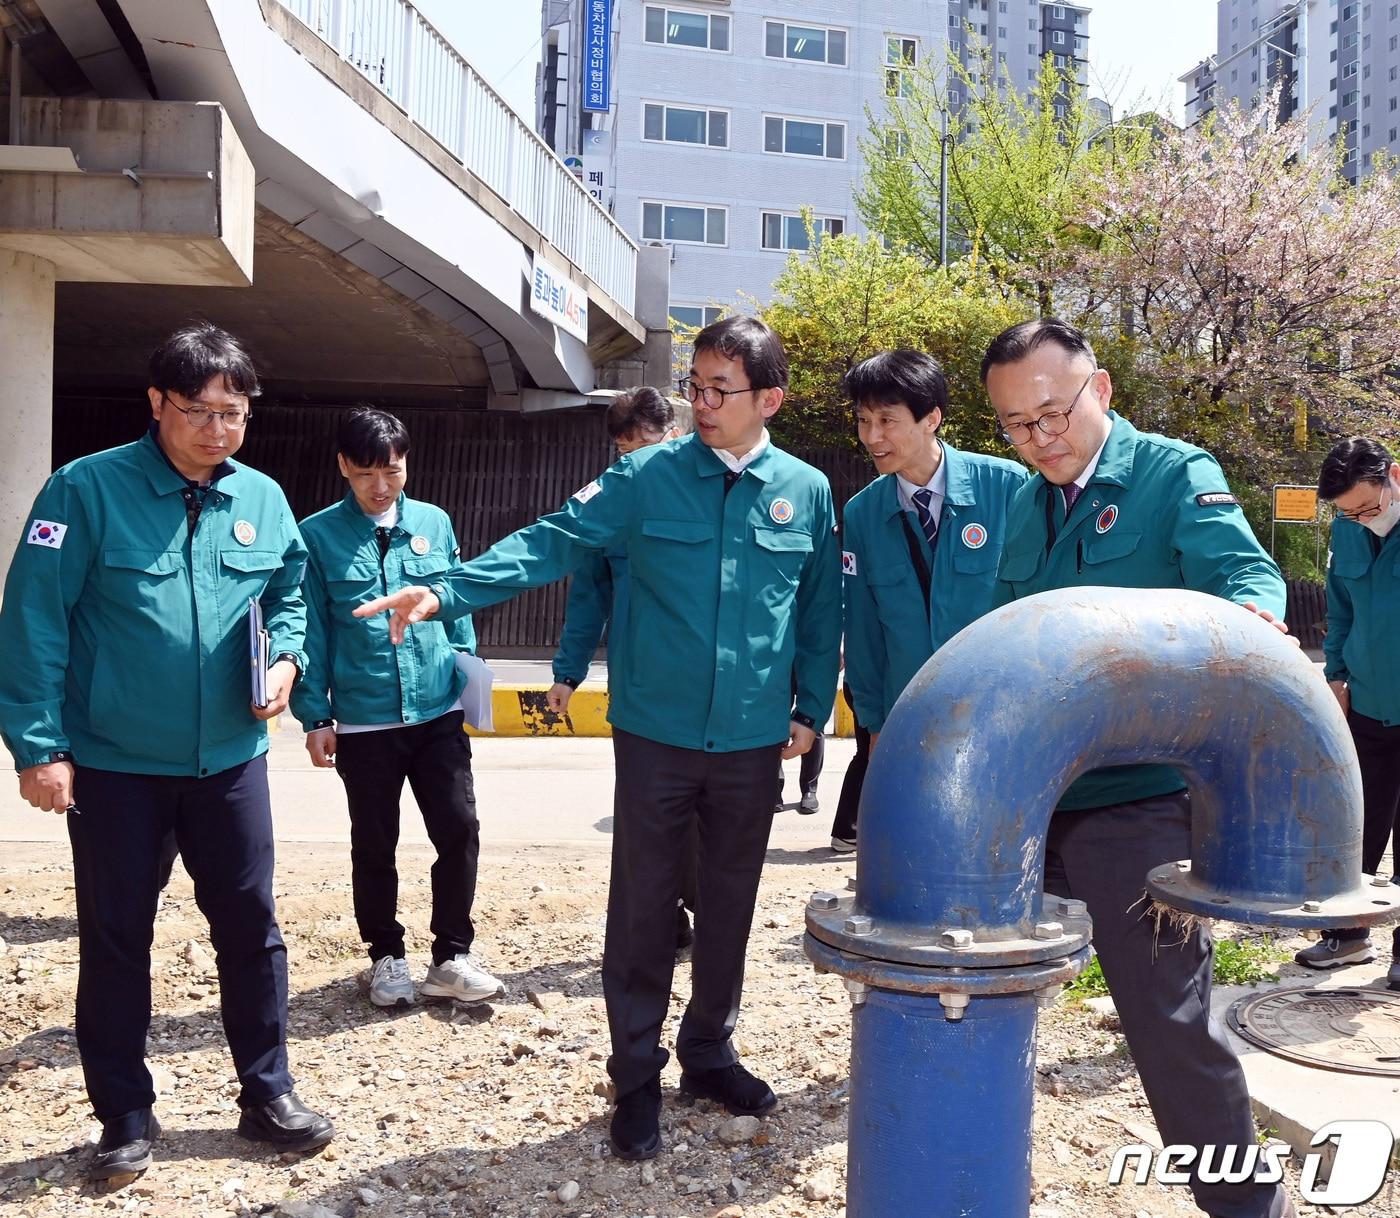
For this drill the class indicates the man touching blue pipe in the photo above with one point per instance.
(1116, 507)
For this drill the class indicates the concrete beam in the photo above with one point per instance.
(165, 194)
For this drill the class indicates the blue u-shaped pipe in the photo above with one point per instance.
(948, 942)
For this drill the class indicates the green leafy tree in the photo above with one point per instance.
(849, 297)
(1018, 167)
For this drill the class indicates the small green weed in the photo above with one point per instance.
(1246, 960)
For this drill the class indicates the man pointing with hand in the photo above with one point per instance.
(734, 593)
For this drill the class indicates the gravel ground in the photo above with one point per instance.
(499, 1109)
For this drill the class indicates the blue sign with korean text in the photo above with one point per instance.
(597, 54)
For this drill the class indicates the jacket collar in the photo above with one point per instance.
(707, 465)
(959, 490)
(165, 479)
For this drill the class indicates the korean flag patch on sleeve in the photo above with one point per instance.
(585, 493)
(848, 563)
(46, 533)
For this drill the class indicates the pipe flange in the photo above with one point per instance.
(1062, 930)
(1373, 902)
(1037, 978)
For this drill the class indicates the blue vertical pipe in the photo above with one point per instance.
(956, 806)
(940, 1120)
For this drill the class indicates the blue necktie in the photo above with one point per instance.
(1071, 492)
(923, 501)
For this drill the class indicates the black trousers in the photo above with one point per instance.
(436, 758)
(664, 797)
(1378, 751)
(811, 770)
(223, 825)
(848, 807)
(1160, 980)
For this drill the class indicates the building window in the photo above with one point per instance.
(785, 231)
(679, 27)
(809, 43)
(685, 223)
(682, 125)
(1058, 38)
(804, 137)
(1058, 11)
(697, 317)
(901, 55)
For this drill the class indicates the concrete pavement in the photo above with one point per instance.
(529, 789)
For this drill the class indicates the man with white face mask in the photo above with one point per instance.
(1362, 479)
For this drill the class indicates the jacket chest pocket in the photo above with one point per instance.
(140, 576)
(976, 560)
(1019, 566)
(1109, 547)
(1353, 568)
(251, 569)
(351, 583)
(673, 547)
(424, 568)
(896, 590)
(783, 550)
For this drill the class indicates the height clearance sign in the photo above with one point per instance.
(557, 297)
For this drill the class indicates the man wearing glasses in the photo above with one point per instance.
(734, 588)
(125, 701)
(1362, 650)
(1112, 506)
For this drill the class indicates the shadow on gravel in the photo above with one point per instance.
(696, 1170)
(21, 929)
(818, 854)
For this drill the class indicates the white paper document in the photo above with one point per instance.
(476, 698)
(257, 651)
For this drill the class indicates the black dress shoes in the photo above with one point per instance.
(732, 1086)
(125, 1146)
(285, 1124)
(635, 1132)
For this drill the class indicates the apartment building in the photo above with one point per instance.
(710, 124)
(1337, 59)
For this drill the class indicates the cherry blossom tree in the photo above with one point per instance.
(1260, 292)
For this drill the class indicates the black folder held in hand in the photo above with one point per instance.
(257, 648)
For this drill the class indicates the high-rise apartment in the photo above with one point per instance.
(710, 124)
(1338, 59)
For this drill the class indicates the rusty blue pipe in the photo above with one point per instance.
(948, 907)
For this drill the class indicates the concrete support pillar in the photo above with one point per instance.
(26, 390)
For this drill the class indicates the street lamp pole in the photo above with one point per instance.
(943, 193)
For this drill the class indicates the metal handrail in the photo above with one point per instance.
(399, 51)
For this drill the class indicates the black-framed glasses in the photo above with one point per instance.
(234, 418)
(1052, 422)
(1369, 513)
(712, 396)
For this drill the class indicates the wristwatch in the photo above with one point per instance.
(806, 720)
(571, 682)
(50, 758)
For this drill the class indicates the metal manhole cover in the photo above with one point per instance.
(1355, 1031)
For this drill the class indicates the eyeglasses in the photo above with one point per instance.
(710, 395)
(235, 418)
(1052, 422)
(1369, 513)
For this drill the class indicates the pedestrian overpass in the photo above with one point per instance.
(357, 203)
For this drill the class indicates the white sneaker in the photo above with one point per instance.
(389, 983)
(843, 845)
(461, 978)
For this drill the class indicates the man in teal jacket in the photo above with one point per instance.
(1117, 507)
(734, 588)
(636, 419)
(382, 714)
(125, 701)
(1362, 651)
(921, 542)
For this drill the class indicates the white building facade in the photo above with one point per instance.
(725, 118)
